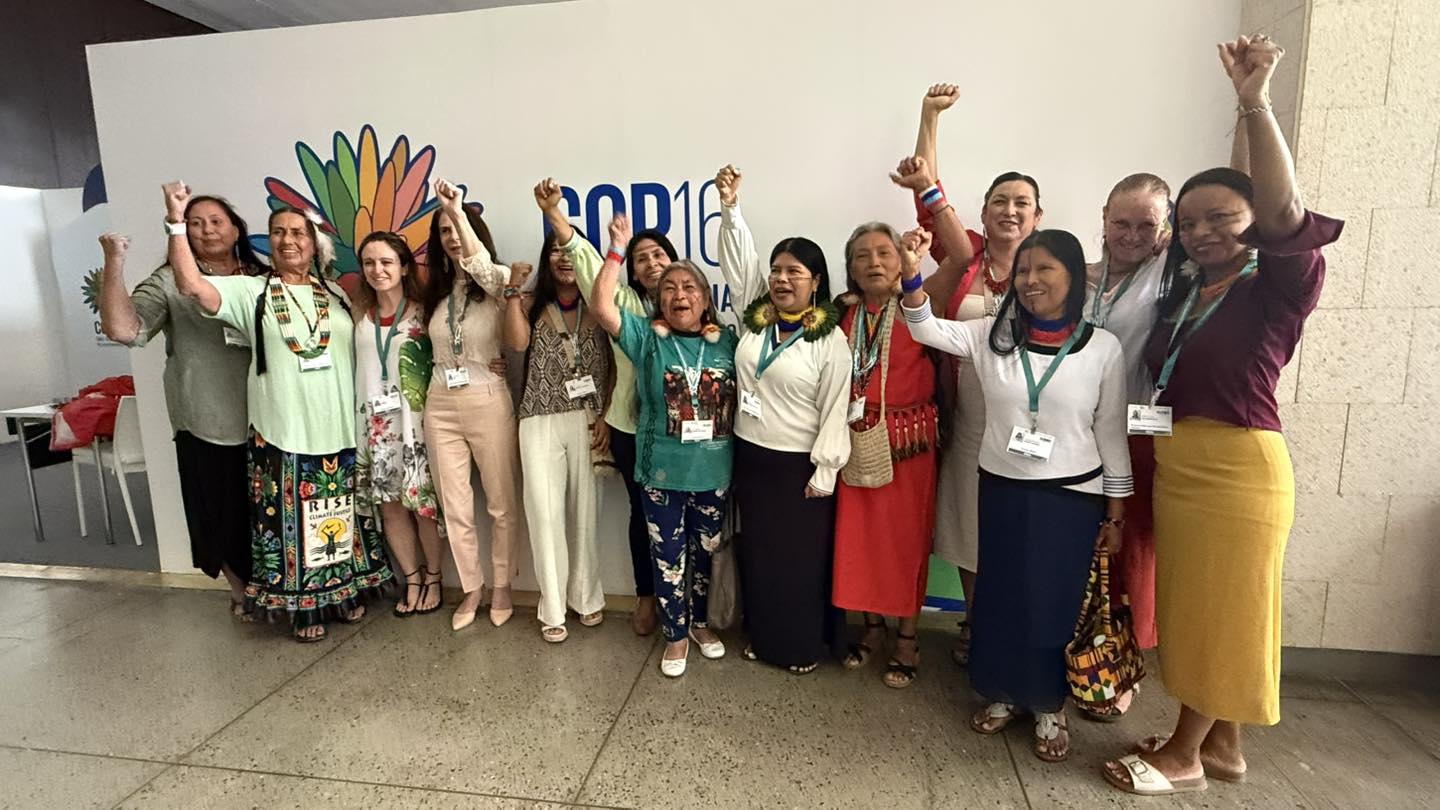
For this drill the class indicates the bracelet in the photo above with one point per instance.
(1118, 523)
(913, 284)
(933, 198)
(1249, 111)
(615, 253)
(510, 292)
(174, 228)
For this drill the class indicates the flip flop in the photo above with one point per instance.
(1147, 781)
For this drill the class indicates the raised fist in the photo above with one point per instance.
(177, 196)
(449, 194)
(547, 194)
(914, 246)
(519, 272)
(1250, 62)
(114, 245)
(941, 97)
(727, 182)
(620, 231)
(913, 173)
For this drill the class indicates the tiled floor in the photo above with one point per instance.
(145, 697)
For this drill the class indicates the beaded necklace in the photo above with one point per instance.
(278, 294)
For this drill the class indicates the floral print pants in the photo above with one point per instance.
(684, 530)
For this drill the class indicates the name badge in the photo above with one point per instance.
(316, 363)
(584, 386)
(1148, 420)
(234, 337)
(457, 377)
(385, 403)
(750, 403)
(697, 430)
(1030, 443)
(857, 411)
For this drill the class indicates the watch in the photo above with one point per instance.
(511, 292)
(174, 228)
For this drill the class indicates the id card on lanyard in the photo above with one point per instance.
(1153, 419)
(1030, 442)
(459, 376)
(693, 430)
(770, 348)
(386, 401)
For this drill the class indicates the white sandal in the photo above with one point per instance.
(1145, 780)
(555, 634)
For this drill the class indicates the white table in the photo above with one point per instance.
(42, 414)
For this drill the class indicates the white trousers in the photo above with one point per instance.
(560, 506)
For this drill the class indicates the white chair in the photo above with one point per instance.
(122, 454)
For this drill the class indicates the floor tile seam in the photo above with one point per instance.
(362, 782)
(1375, 712)
(1015, 768)
(335, 647)
(132, 794)
(600, 751)
(40, 749)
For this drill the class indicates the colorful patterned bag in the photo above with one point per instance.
(1103, 661)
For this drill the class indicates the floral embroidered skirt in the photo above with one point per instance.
(312, 560)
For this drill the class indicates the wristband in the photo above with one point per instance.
(933, 198)
(615, 253)
(510, 292)
(1249, 111)
(174, 228)
(910, 285)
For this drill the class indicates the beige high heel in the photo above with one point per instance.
(499, 616)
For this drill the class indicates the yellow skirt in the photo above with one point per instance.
(1224, 503)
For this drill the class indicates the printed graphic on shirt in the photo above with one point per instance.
(716, 393)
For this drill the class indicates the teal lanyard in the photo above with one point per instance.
(383, 347)
(1176, 345)
(692, 375)
(1034, 387)
(771, 347)
(457, 336)
(1095, 316)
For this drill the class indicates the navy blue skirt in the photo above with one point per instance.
(1036, 543)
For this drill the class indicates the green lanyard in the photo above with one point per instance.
(692, 375)
(383, 347)
(1035, 388)
(771, 347)
(1176, 345)
(1095, 316)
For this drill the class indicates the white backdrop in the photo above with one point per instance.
(815, 101)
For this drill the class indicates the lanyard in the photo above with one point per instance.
(867, 349)
(1035, 388)
(771, 347)
(1095, 316)
(382, 348)
(1176, 345)
(692, 375)
(457, 336)
(575, 333)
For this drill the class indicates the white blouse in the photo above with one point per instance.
(1083, 405)
(805, 391)
(479, 321)
(1130, 318)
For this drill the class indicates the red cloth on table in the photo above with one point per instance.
(883, 536)
(90, 414)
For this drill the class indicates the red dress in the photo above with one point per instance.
(883, 536)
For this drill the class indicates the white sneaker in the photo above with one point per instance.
(712, 649)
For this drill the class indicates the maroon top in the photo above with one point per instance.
(1228, 370)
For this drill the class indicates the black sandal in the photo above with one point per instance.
(425, 591)
(907, 672)
(349, 617)
(860, 652)
(960, 653)
(405, 614)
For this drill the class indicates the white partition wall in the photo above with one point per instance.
(635, 103)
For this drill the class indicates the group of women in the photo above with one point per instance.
(1016, 411)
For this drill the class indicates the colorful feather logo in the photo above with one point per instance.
(357, 193)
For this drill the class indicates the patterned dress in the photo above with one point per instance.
(391, 464)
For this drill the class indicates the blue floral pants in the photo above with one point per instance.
(684, 529)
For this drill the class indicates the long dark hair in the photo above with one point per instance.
(410, 286)
(1174, 285)
(1011, 177)
(659, 238)
(1012, 322)
(545, 293)
(812, 257)
(250, 263)
(440, 280)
